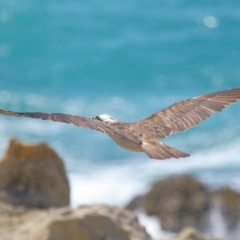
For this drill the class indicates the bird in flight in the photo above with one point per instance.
(143, 136)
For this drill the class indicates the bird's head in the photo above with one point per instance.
(105, 118)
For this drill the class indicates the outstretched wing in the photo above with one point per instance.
(111, 128)
(188, 113)
(66, 118)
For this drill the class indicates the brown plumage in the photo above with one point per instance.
(143, 136)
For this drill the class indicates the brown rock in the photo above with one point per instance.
(85, 223)
(228, 201)
(135, 203)
(177, 202)
(189, 233)
(33, 175)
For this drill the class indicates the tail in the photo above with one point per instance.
(157, 150)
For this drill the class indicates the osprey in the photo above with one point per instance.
(143, 136)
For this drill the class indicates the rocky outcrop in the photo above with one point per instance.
(98, 222)
(33, 175)
(189, 233)
(177, 202)
(34, 193)
(85, 223)
(181, 201)
(227, 203)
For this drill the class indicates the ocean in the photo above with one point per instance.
(127, 59)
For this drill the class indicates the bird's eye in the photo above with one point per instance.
(97, 118)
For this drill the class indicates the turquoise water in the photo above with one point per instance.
(127, 59)
(72, 48)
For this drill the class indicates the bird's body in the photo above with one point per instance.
(126, 143)
(143, 136)
(122, 141)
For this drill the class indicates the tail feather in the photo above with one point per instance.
(158, 150)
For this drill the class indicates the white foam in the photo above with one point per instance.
(111, 185)
(116, 184)
(152, 226)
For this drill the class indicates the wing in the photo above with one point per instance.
(101, 126)
(188, 113)
(115, 128)
(157, 150)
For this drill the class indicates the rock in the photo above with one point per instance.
(177, 202)
(189, 233)
(227, 202)
(135, 203)
(33, 175)
(85, 223)
(182, 201)
(98, 222)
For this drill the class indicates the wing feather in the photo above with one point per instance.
(188, 113)
(66, 118)
(115, 128)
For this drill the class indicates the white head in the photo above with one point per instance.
(105, 118)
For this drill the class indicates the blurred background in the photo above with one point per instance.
(127, 59)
